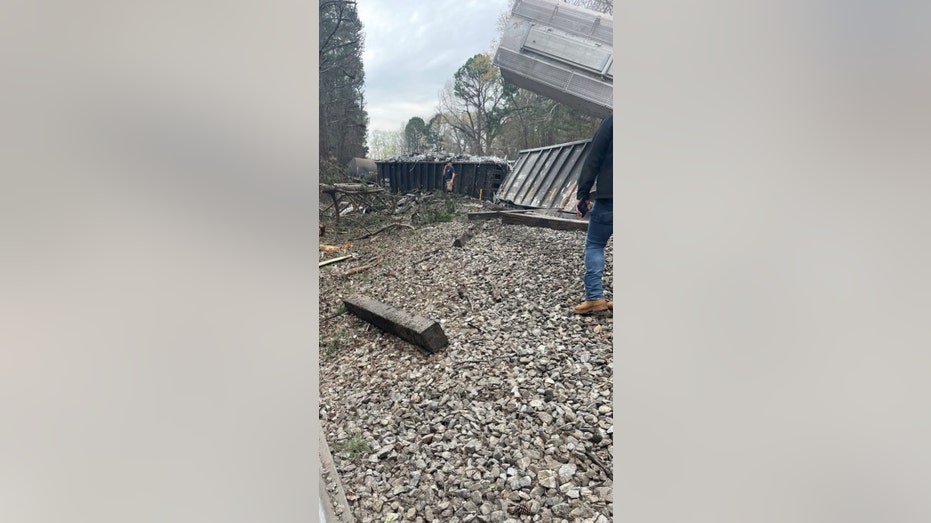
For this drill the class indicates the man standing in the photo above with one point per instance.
(449, 175)
(597, 170)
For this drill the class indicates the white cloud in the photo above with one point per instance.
(413, 47)
(395, 114)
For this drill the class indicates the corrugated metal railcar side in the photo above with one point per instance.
(546, 177)
(473, 179)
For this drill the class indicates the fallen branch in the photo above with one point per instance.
(597, 461)
(385, 228)
(334, 260)
(359, 197)
(357, 270)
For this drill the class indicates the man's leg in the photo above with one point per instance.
(600, 229)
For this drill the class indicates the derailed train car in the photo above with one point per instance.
(562, 52)
(363, 169)
(478, 178)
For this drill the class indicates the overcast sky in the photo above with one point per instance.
(413, 47)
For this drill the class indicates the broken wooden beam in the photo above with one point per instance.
(417, 330)
(549, 222)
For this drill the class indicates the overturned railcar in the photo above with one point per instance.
(562, 52)
(475, 178)
(546, 177)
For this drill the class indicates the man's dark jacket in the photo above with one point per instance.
(598, 164)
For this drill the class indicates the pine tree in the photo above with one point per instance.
(343, 120)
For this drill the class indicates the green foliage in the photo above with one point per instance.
(415, 134)
(475, 75)
(356, 447)
(487, 115)
(442, 209)
(331, 171)
(537, 121)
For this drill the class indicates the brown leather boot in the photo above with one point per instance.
(588, 307)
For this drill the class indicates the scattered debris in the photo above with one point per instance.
(443, 157)
(352, 197)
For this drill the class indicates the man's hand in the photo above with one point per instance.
(583, 207)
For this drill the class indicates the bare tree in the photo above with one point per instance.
(446, 138)
(474, 105)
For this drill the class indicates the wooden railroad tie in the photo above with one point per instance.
(420, 331)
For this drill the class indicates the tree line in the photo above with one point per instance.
(343, 119)
(478, 112)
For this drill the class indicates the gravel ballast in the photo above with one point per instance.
(512, 421)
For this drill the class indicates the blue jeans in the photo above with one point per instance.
(600, 229)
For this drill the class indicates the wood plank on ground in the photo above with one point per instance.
(483, 215)
(415, 329)
(540, 220)
(491, 215)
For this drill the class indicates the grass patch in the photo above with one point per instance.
(441, 209)
(356, 447)
(335, 342)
